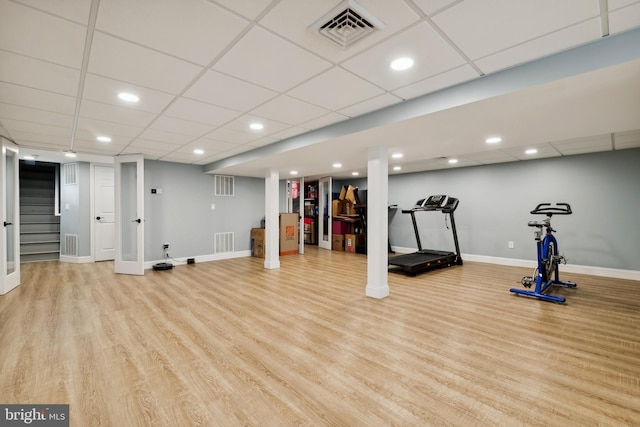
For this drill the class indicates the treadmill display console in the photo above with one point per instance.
(435, 202)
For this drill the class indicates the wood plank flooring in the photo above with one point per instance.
(228, 343)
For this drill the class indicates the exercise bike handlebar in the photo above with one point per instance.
(548, 209)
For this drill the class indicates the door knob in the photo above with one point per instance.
(137, 220)
(98, 218)
(7, 223)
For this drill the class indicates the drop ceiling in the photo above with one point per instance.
(205, 70)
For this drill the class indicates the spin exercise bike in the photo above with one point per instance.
(547, 272)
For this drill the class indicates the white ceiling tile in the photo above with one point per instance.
(33, 139)
(430, 7)
(17, 112)
(74, 10)
(112, 113)
(291, 19)
(161, 147)
(282, 64)
(370, 105)
(168, 137)
(120, 60)
(481, 28)
(624, 19)
(177, 157)
(41, 35)
(91, 141)
(289, 110)
(183, 127)
(38, 74)
(323, 121)
(617, 4)
(545, 45)
(200, 112)
(15, 126)
(336, 89)
(544, 150)
(91, 128)
(289, 133)
(228, 92)
(111, 148)
(441, 81)
(489, 157)
(105, 90)
(35, 98)
(209, 146)
(262, 142)
(431, 55)
(584, 145)
(624, 140)
(249, 9)
(231, 136)
(194, 30)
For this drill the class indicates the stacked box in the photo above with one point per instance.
(337, 244)
(353, 242)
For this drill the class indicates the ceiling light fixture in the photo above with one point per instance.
(397, 155)
(256, 126)
(397, 168)
(493, 140)
(70, 154)
(294, 172)
(337, 165)
(531, 151)
(355, 173)
(453, 161)
(103, 138)
(128, 97)
(401, 64)
(198, 151)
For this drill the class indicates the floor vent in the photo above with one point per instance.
(71, 244)
(347, 23)
(223, 242)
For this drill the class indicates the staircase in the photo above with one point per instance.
(39, 226)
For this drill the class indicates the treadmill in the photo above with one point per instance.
(428, 259)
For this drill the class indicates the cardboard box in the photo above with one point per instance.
(289, 235)
(353, 241)
(337, 243)
(338, 207)
(257, 249)
(258, 233)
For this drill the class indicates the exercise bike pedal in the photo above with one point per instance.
(527, 281)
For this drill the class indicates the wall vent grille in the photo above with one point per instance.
(70, 174)
(224, 185)
(71, 244)
(347, 23)
(223, 242)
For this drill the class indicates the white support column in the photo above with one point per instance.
(272, 220)
(377, 223)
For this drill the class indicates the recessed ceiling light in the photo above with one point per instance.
(397, 168)
(397, 155)
(493, 140)
(129, 97)
(256, 126)
(294, 172)
(401, 64)
(531, 151)
(70, 154)
(103, 138)
(355, 173)
(337, 165)
(198, 151)
(453, 161)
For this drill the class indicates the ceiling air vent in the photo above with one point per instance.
(347, 23)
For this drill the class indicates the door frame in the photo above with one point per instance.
(11, 280)
(93, 195)
(123, 219)
(324, 209)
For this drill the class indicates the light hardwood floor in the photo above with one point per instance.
(228, 343)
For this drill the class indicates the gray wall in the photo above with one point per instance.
(495, 201)
(76, 219)
(182, 215)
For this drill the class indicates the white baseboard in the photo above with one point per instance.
(201, 258)
(76, 259)
(569, 268)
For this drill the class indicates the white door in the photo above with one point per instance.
(9, 206)
(104, 211)
(324, 214)
(129, 214)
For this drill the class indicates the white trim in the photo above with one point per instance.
(202, 258)
(76, 259)
(615, 273)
